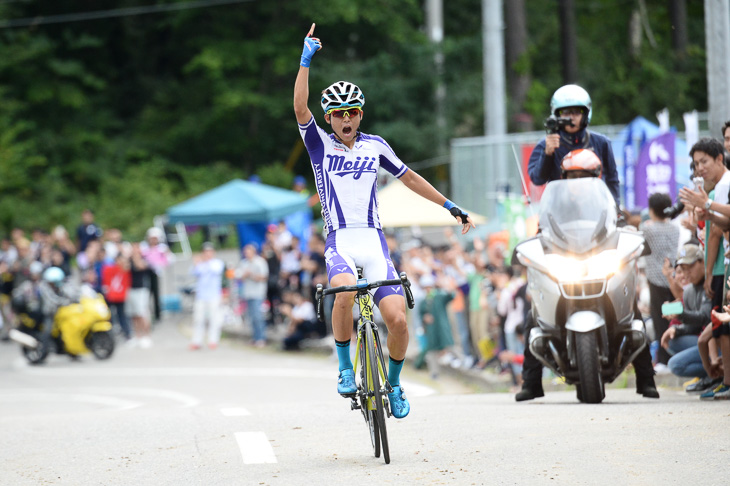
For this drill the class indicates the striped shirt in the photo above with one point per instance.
(347, 180)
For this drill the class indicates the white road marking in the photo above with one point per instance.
(235, 412)
(185, 400)
(255, 448)
(117, 404)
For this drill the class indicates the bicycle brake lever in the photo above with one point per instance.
(320, 310)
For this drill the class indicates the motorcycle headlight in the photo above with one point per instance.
(604, 264)
(600, 266)
(566, 269)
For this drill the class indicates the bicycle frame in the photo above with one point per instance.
(365, 303)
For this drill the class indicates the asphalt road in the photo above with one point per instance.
(239, 415)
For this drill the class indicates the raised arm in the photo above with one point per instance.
(301, 86)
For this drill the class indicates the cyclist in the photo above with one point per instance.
(345, 165)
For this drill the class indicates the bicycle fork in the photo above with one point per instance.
(386, 388)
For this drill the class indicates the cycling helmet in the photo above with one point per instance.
(342, 94)
(581, 160)
(35, 268)
(54, 275)
(572, 95)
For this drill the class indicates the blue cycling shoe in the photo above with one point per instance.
(399, 405)
(346, 383)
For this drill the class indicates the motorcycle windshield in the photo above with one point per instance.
(577, 215)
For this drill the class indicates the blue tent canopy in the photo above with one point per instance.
(238, 201)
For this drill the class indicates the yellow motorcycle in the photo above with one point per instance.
(78, 329)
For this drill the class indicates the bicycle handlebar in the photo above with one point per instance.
(402, 281)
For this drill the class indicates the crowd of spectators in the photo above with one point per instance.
(126, 273)
(469, 304)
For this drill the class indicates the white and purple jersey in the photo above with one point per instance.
(347, 180)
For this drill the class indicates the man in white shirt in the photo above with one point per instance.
(208, 273)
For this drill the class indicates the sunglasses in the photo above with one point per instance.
(350, 112)
(570, 111)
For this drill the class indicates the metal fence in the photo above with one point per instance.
(484, 170)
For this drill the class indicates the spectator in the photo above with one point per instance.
(303, 322)
(457, 267)
(159, 256)
(273, 292)
(709, 158)
(720, 331)
(138, 298)
(439, 338)
(511, 307)
(662, 236)
(62, 243)
(116, 281)
(254, 273)
(88, 230)
(291, 257)
(680, 340)
(314, 266)
(21, 265)
(208, 272)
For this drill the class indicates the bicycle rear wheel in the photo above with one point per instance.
(365, 395)
(374, 355)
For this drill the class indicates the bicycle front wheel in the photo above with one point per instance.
(366, 399)
(377, 400)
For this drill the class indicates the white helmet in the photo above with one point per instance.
(54, 275)
(572, 95)
(342, 94)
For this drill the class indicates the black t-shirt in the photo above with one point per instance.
(86, 233)
(141, 277)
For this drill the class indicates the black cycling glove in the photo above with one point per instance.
(458, 213)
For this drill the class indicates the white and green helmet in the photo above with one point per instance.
(342, 94)
(572, 95)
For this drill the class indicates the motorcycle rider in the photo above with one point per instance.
(576, 164)
(54, 293)
(572, 101)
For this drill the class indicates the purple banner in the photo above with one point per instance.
(655, 169)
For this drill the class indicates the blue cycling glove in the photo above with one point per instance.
(311, 45)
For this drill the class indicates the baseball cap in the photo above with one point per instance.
(689, 254)
(208, 246)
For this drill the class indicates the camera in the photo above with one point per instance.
(675, 210)
(554, 124)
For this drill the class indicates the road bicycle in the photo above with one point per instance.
(373, 387)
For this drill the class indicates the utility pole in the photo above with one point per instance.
(495, 112)
(717, 38)
(569, 51)
(435, 28)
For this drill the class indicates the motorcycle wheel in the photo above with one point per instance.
(589, 369)
(38, 355)
(101, 344)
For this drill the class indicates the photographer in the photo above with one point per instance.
(571, 110)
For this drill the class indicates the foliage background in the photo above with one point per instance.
(132, 114)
